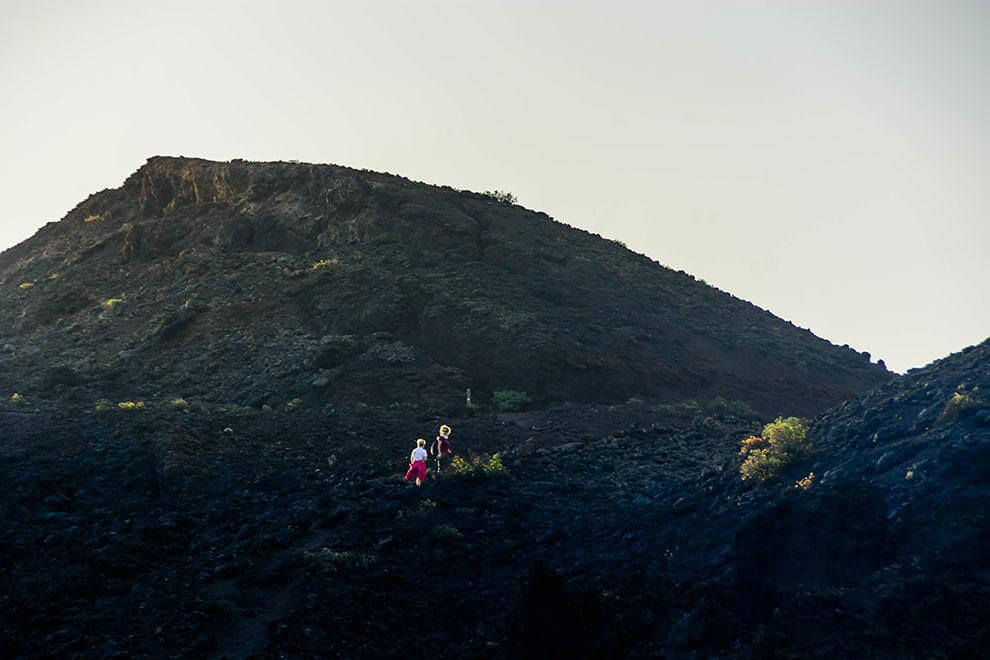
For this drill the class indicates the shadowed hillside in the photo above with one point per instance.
(260, 283)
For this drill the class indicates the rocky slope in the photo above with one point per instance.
(253, 506)
(610, 531)
(259, 283)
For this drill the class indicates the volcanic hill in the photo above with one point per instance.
(221, 369)
(257, 284)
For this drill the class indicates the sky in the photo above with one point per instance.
(825, 160)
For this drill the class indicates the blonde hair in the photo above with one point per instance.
(421, 443)
(445, 428)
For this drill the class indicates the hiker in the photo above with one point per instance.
(441, 447)
(417, 463)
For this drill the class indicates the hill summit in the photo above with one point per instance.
(261, 283)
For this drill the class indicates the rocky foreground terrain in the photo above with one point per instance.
(606, 531)
(220, 370)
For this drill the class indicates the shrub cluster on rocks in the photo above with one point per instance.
(509, 400)
(782, 442)
(478, 465)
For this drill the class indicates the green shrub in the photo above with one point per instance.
(331, 561)
(477, 465)
(510, 400)
(130, 405)
(16, 398)
(689, 408)
(786, 434)
(445, 533)
(295, 404)
(761, 465)
(782, 442)
(504, 197)
(959, 404)
(113, 303)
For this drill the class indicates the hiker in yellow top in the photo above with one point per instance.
(441, 447)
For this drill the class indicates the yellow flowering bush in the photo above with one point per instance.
(750, 443)
(130, 405)
(959, 404)
(781, 443)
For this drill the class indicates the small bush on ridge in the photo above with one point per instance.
(504, 197)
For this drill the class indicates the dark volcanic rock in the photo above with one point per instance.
(263, 513)
(611, 531)
(894, 531)
(256, 283)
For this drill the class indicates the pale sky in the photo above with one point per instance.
(828, 161)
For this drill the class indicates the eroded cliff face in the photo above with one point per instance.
(258, 283)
